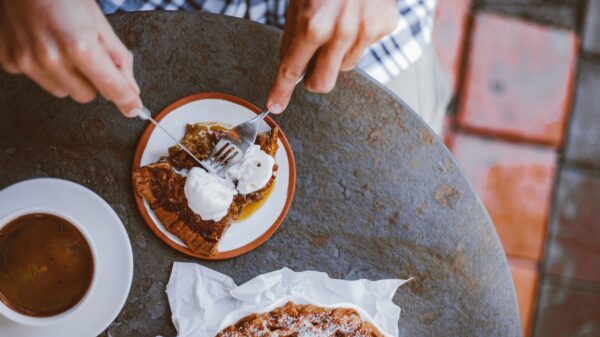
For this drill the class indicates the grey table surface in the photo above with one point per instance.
(377, 193)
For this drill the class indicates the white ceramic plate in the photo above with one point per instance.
(224, 110)
(236, 315)
(114, 261)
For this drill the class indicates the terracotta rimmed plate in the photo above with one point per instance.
(244, 235)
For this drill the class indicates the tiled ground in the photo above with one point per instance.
(514, 66)
(526, 129)
(515, 184)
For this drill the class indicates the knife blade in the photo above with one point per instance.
(145, 114)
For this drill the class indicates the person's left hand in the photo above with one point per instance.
(332, 33)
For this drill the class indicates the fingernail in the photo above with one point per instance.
(137, 112)
(61, 94)
(275, 108)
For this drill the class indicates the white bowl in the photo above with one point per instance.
(236, 315)
(42, 321)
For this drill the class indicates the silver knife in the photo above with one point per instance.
(145, 114)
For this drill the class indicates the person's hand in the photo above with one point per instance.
(332, 33)
(69, 49)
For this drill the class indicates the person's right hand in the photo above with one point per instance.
(68, 48)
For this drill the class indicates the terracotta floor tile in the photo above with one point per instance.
(525, 277)
(514, 182)
(518, 81)
(567, 313)
(574, 244)
(556, 13)
(448, 34)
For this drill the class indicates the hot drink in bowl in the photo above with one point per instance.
(46, 265)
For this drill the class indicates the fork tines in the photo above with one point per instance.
(223, 153)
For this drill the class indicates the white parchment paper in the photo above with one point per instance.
(204, 301)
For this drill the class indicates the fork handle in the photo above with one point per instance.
(259, 117)
(262, 114)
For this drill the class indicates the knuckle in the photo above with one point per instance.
(125, 58)
(289, 72)
(78, 47)
(314, 31)
(77, 50)
(48, 58)
(345, 32)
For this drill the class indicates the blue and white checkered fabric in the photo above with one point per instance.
(383, 60)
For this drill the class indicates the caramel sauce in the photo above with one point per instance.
(253, 207)
(46, 265)
(217, 127)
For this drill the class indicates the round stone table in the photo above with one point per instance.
(377, 193)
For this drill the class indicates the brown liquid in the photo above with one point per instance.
(217, 127)
(253, 207)
(46, 265)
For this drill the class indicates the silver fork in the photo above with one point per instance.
(234, 144)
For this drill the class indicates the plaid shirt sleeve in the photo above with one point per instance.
(383, 60)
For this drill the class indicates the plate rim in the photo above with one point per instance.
(141, 147)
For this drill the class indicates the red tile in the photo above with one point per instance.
(575, 229)
(515, 183)
(567, 313)
(448, 35)
(518, 81)
(525, 277)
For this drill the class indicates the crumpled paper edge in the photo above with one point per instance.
(197, 282)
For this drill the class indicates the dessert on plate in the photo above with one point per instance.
(302, 320)
(199, 207)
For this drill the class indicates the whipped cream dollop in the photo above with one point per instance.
(253, 172)
(208, 195)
